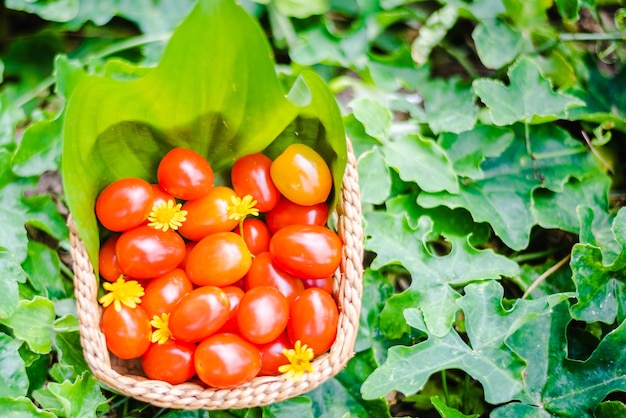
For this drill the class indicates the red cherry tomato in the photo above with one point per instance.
(288, 213)
(163, 293)
(160, 195)
(226, 360)
(235, 294)
(262, 315)
(219, 259)
(145, 252)
(301, 175)
(264, 273)
(306, 251)
(107, 260)
(199, 314)
(127, 332)
(185, 174)
(124, 204)
(171, 362)
(256, 234)
(313, 320)
(208, 214)
(325, 283)
(250, 175)
(272, 356)
(188, 247)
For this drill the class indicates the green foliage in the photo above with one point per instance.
(489, 138)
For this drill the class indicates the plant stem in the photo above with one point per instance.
(444, 385)
(131, 43)
(595, 152)
(66, 271)
(34, 92)
(466, 395)
(522, 258)
(616, 36)
(545, 275)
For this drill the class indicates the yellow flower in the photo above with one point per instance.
(299, 358)
(240, 208)
(162, 332)
(167, 215)
(121, 292)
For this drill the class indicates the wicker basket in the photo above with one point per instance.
(126, 377)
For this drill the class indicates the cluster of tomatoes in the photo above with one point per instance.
(220, 282)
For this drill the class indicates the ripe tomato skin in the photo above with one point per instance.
(127, 332)
(124, 204)
(219, 259)
(226, 360)
(107, 260)
(301, 175)
(272, 355)
(306, 251)
(325, 283)
(235, 294)
(145, 252)
(262, 315)
(199, 314)
(171, 362)
(313, 320)
(287, 212)
(185, 174)
(160, 195)
(251, 175)
(208, 214)
(256, 235)
(188, 247)
(264, 273)
(163, 293)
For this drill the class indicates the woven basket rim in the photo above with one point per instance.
(261, 390)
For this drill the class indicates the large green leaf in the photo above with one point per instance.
(598, 274)
(503, 196)
(428, 166)
(22, 407)
(604, 97)
(342, 394)
(13, 377)
(563, 386)
(450, 105)
(12, 273)
(214, 91)
(528, 98)
(433, 32)
(497, 43)
(485, 357)
(468, 150)
(416, 231)
(32, 322)
(295, 407)
(80, 398)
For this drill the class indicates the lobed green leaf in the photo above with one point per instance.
(13, 377)
(81, 397)
(528, 98)
(22, 407)
(32, 322)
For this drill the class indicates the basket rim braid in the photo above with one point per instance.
(118, 376)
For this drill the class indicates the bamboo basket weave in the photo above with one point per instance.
(126, 377)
